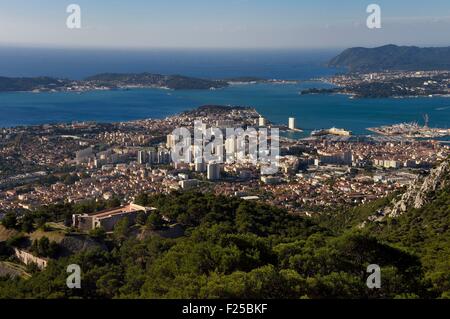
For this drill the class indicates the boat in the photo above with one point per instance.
(331, 131)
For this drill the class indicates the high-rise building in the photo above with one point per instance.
(231, 146)
(188, 184)
(225, 123)
(83, 156)
(262, 121)
(342, 158)
(153, 157)
(142, 157)
(292, 123)
(347, 158)
(199, 167)
(213, 172)
(164, 156)
(170, 141)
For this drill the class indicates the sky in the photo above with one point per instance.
(223, 24)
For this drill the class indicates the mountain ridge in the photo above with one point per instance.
(392, 57)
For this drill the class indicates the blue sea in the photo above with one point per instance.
(275, 101)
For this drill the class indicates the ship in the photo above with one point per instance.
(331, 131)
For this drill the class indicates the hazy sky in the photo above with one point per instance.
(224, 24)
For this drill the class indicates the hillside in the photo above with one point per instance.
(233, 249)
(419, 222)
(416, 221)
(392, 57)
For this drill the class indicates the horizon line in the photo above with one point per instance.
(205, 48)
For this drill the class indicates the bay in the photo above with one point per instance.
(277, 102)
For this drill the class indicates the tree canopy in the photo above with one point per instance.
(240, 249)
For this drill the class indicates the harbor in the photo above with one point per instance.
(412, 130)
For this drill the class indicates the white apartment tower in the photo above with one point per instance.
(262, 121)
(292, 123)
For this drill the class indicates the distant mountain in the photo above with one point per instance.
(392, 57)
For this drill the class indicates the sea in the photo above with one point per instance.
(276, 102)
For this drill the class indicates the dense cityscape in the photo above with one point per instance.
(88, 161)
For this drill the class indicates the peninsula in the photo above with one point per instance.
(115, 81)
(392, 57)
(389, 71)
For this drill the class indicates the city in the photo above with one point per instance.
(88, 161)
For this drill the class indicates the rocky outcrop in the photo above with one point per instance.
(420, 192)
(173, 231)
(74, 244)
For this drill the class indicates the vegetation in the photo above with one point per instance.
(240, 249)
(9, 221)
(155, 221)
(30, 221)
(424, 232)
(44, 247)
(319, 91)
(98, 234)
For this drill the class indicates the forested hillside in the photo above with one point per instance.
(238, 249)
